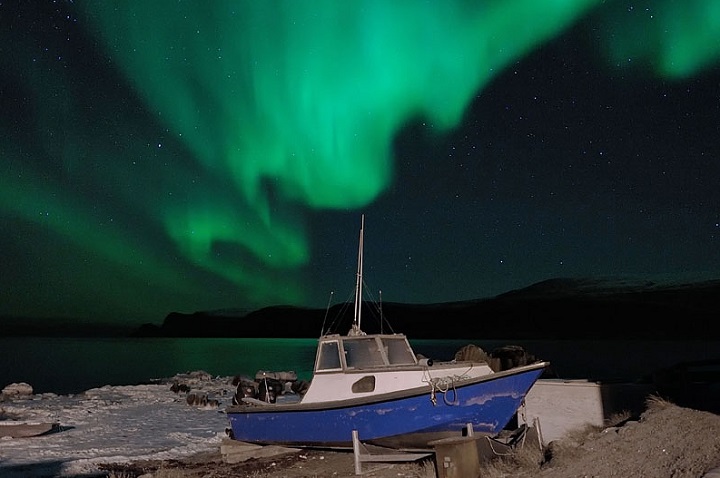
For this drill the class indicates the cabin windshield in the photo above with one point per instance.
(362, 353)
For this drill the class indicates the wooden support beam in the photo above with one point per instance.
(363, 455)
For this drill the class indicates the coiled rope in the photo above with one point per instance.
(444, 385)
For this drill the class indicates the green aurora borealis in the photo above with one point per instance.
(165, 155)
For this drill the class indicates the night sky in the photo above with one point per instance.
(163, 156)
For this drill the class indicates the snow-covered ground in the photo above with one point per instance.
(114, 424)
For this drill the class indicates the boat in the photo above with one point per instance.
(20, 429)
(373, 387)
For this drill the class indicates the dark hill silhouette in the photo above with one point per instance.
(552, 309)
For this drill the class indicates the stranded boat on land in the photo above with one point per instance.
(375, 385)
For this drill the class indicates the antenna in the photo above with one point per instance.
(327, 310)
(358, 282)
(382, 318)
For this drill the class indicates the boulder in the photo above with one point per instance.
(20, 389)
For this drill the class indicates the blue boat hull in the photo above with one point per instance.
(488, 403)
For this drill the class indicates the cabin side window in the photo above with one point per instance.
(364, 385)
(328, 356)
(398, 351)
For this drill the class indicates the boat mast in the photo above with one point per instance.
(358, 284)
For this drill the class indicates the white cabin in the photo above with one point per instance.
(356, 366)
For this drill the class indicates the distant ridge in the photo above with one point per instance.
(599, 287)
(553, 309)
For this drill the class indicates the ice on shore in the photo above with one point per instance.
(113, 424)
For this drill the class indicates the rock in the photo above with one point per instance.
(17, 390)
(196, 399)
(471, 353)
(283, 376)
(510, 356)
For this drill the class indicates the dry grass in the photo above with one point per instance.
(120, 475)
(618, 419)
(426, 469)
(526, 460)
(655, 402)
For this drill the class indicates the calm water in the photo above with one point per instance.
(70, 365)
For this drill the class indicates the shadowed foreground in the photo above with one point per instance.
(665, 440)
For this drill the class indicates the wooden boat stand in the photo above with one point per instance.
(370, 453)
(455, 456)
